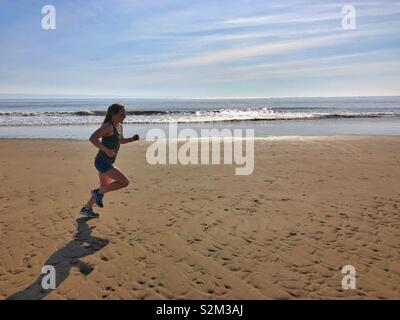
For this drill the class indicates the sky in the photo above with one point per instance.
(199, 49)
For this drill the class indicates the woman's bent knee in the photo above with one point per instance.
(124, 183)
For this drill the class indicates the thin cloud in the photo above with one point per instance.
(230, 55)
(312, 15)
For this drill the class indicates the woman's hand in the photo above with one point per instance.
(111, 153)
(135, 137)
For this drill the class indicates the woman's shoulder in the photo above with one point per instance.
(117, 127)
(107, 126)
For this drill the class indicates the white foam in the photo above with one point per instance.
(87, 117)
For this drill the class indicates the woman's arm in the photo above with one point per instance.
(104, 130)
(127, 140)
(124, 141)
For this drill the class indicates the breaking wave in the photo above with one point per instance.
(85, 117)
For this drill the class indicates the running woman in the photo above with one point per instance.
(111, 178)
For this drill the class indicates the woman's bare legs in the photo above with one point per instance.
(121, 181)
(104, 180)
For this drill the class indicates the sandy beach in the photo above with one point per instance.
(311, 206)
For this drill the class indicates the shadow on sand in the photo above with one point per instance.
(64, 259)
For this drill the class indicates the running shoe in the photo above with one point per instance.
(98, 197)
(89, 212)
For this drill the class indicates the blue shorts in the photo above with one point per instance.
(103, 165)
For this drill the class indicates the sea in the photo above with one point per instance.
(268, 117)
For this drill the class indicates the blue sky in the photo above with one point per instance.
(199, 49)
